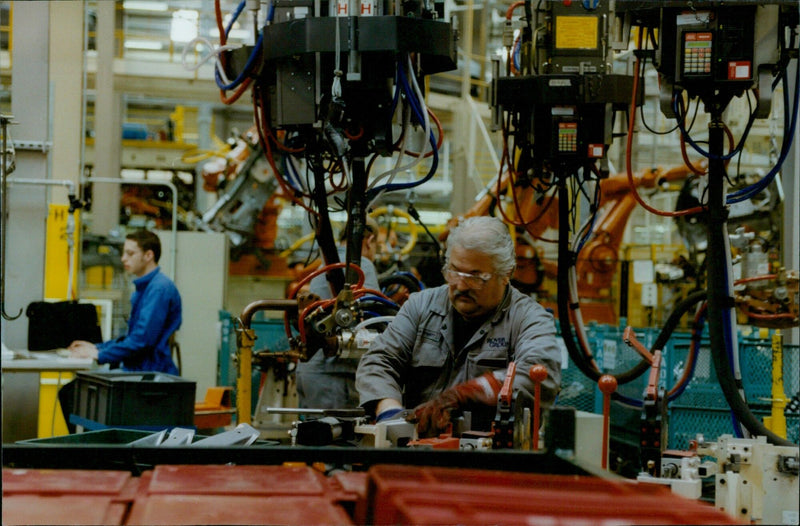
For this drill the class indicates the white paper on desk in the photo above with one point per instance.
(8, 354)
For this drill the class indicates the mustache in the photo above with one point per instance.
(465, 293)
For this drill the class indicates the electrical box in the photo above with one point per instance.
(704, 46)
(292, 91)
(579, 37)
(566, 132)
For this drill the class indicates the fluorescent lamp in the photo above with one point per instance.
(147, 45)
(144, 5)
(240, 34)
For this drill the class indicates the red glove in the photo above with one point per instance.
(433, 416)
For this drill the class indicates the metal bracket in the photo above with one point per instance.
(42, 146)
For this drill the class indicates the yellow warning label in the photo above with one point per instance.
(576, 32)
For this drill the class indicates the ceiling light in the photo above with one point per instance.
(144, 5)
(239, 34)
(184, 25)
(147, 45)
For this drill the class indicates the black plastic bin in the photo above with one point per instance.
(134, 399)
(104, 437)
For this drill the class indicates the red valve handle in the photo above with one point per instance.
(538, 373)
(607, 384)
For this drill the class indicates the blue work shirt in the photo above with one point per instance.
(155, 315)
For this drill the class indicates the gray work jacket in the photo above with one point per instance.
(413, 359)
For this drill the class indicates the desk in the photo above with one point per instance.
(29, 392)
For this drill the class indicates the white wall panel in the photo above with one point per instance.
(201, 277)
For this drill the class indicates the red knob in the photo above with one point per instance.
(538, 373)
(607, 384)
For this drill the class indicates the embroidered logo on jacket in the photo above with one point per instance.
(497, 343)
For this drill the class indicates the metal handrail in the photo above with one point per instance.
(487, 138)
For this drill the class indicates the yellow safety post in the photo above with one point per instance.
(58, 253)
(776, 422)
(244, 360)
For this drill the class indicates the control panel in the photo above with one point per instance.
(710, 46)
(696, 53)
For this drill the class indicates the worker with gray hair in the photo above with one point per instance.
(448, 347)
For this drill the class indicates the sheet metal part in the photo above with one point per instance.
(241, 435)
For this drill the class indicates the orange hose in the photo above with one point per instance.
(511, 8)
(629, 144)
(687, 368)
(289, 192)
(755, 278)
(223, 39)
(306, 279)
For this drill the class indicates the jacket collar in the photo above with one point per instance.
(145, 280)
(503, 306)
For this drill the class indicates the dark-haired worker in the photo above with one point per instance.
(155, 313)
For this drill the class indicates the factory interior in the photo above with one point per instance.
(641, 155)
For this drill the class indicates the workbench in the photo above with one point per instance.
(31, 380)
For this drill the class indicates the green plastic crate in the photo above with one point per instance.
(686, 422)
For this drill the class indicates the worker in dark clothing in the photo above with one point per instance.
(448, 346)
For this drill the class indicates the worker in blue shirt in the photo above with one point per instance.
(155, 313)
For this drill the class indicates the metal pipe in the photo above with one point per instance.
(271, 304)
(84, 89)
(114, 180)
(347, 413)
(467, 50)
(70, 185)
(5, 120)
(244, 353)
